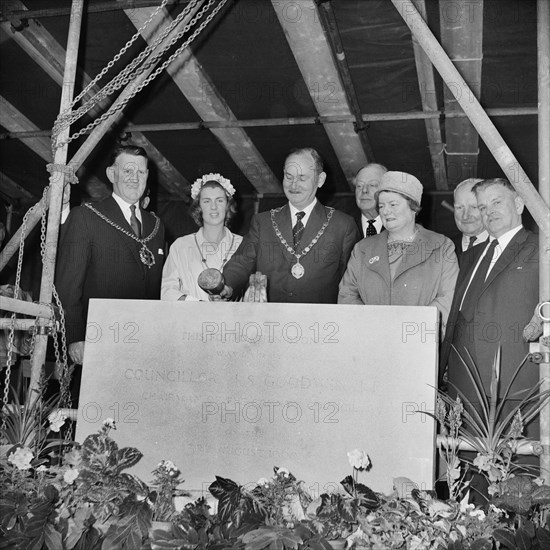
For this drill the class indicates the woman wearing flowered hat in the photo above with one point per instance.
(210, 247)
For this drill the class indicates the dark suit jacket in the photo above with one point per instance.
(505, 306)
(95, 260)
(261, 250)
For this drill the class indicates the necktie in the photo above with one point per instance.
(471, 243)
(476, 284)
(371, 230)
(134, 222)
(298, 229)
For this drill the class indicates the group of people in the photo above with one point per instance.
(312, 253)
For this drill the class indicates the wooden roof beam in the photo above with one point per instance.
(332, 32)
(426, 85)
(15, 121)
(14, 191)
(461, 23)
(192, 80)
(301, 24)
(40, 45)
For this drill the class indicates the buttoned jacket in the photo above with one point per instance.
(324, 264)
(505, 306)
(426, 275)
(97, 260)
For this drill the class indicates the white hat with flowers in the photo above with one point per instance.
(224, 182)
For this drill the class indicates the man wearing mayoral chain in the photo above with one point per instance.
(303, 247)
(111, 249)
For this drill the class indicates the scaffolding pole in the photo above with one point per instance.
(537, 206)
(57, 183)
(543, 78)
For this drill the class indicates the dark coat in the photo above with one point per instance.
(261, 250)
(505, 306)
(96, 260)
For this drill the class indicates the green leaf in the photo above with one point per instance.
(481, 544)
(541, 495)
(516, 494)
(505, 537)
(543, 537)
(523, 539)
(52, 538)
(276, 538)
(128, 457)
(228, 494)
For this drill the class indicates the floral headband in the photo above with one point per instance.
(224, 182)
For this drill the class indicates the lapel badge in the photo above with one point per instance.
(374, 259)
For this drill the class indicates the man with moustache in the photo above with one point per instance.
(467, 217)
(303, 247)
(367, 182)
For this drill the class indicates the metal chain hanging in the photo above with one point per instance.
(116, 57)
(11, 333)
(125, 77)
(68, 117)
(143, 62)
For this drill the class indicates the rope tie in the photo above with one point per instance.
(65, 169)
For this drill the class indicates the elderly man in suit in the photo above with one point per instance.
(467, 217)
(112, 249)
(367, 182)
(303, 247)
(496, 293)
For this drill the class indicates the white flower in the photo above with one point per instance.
(357, 535)
(263, 482)
(283, 471)
(478, 514)
(110, 423)
(56, 420)
(465, 507)
(224, 182)
(70, 475)
(41, 469)
(358, 459)
(167, 465)
(21, 458)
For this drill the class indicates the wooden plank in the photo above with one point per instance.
(192, 80)
(50, 56)
(426, 84)
(461, 23)
(15, 121)
(301, 24)
(14, 190)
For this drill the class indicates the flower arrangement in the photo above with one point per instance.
(59, 495)
(88, 501)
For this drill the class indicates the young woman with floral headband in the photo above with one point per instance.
(210, 247)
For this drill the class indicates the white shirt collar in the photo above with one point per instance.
(125, 207)
(504, 240)
(481, 238)
(365, 223)
(307, 210)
